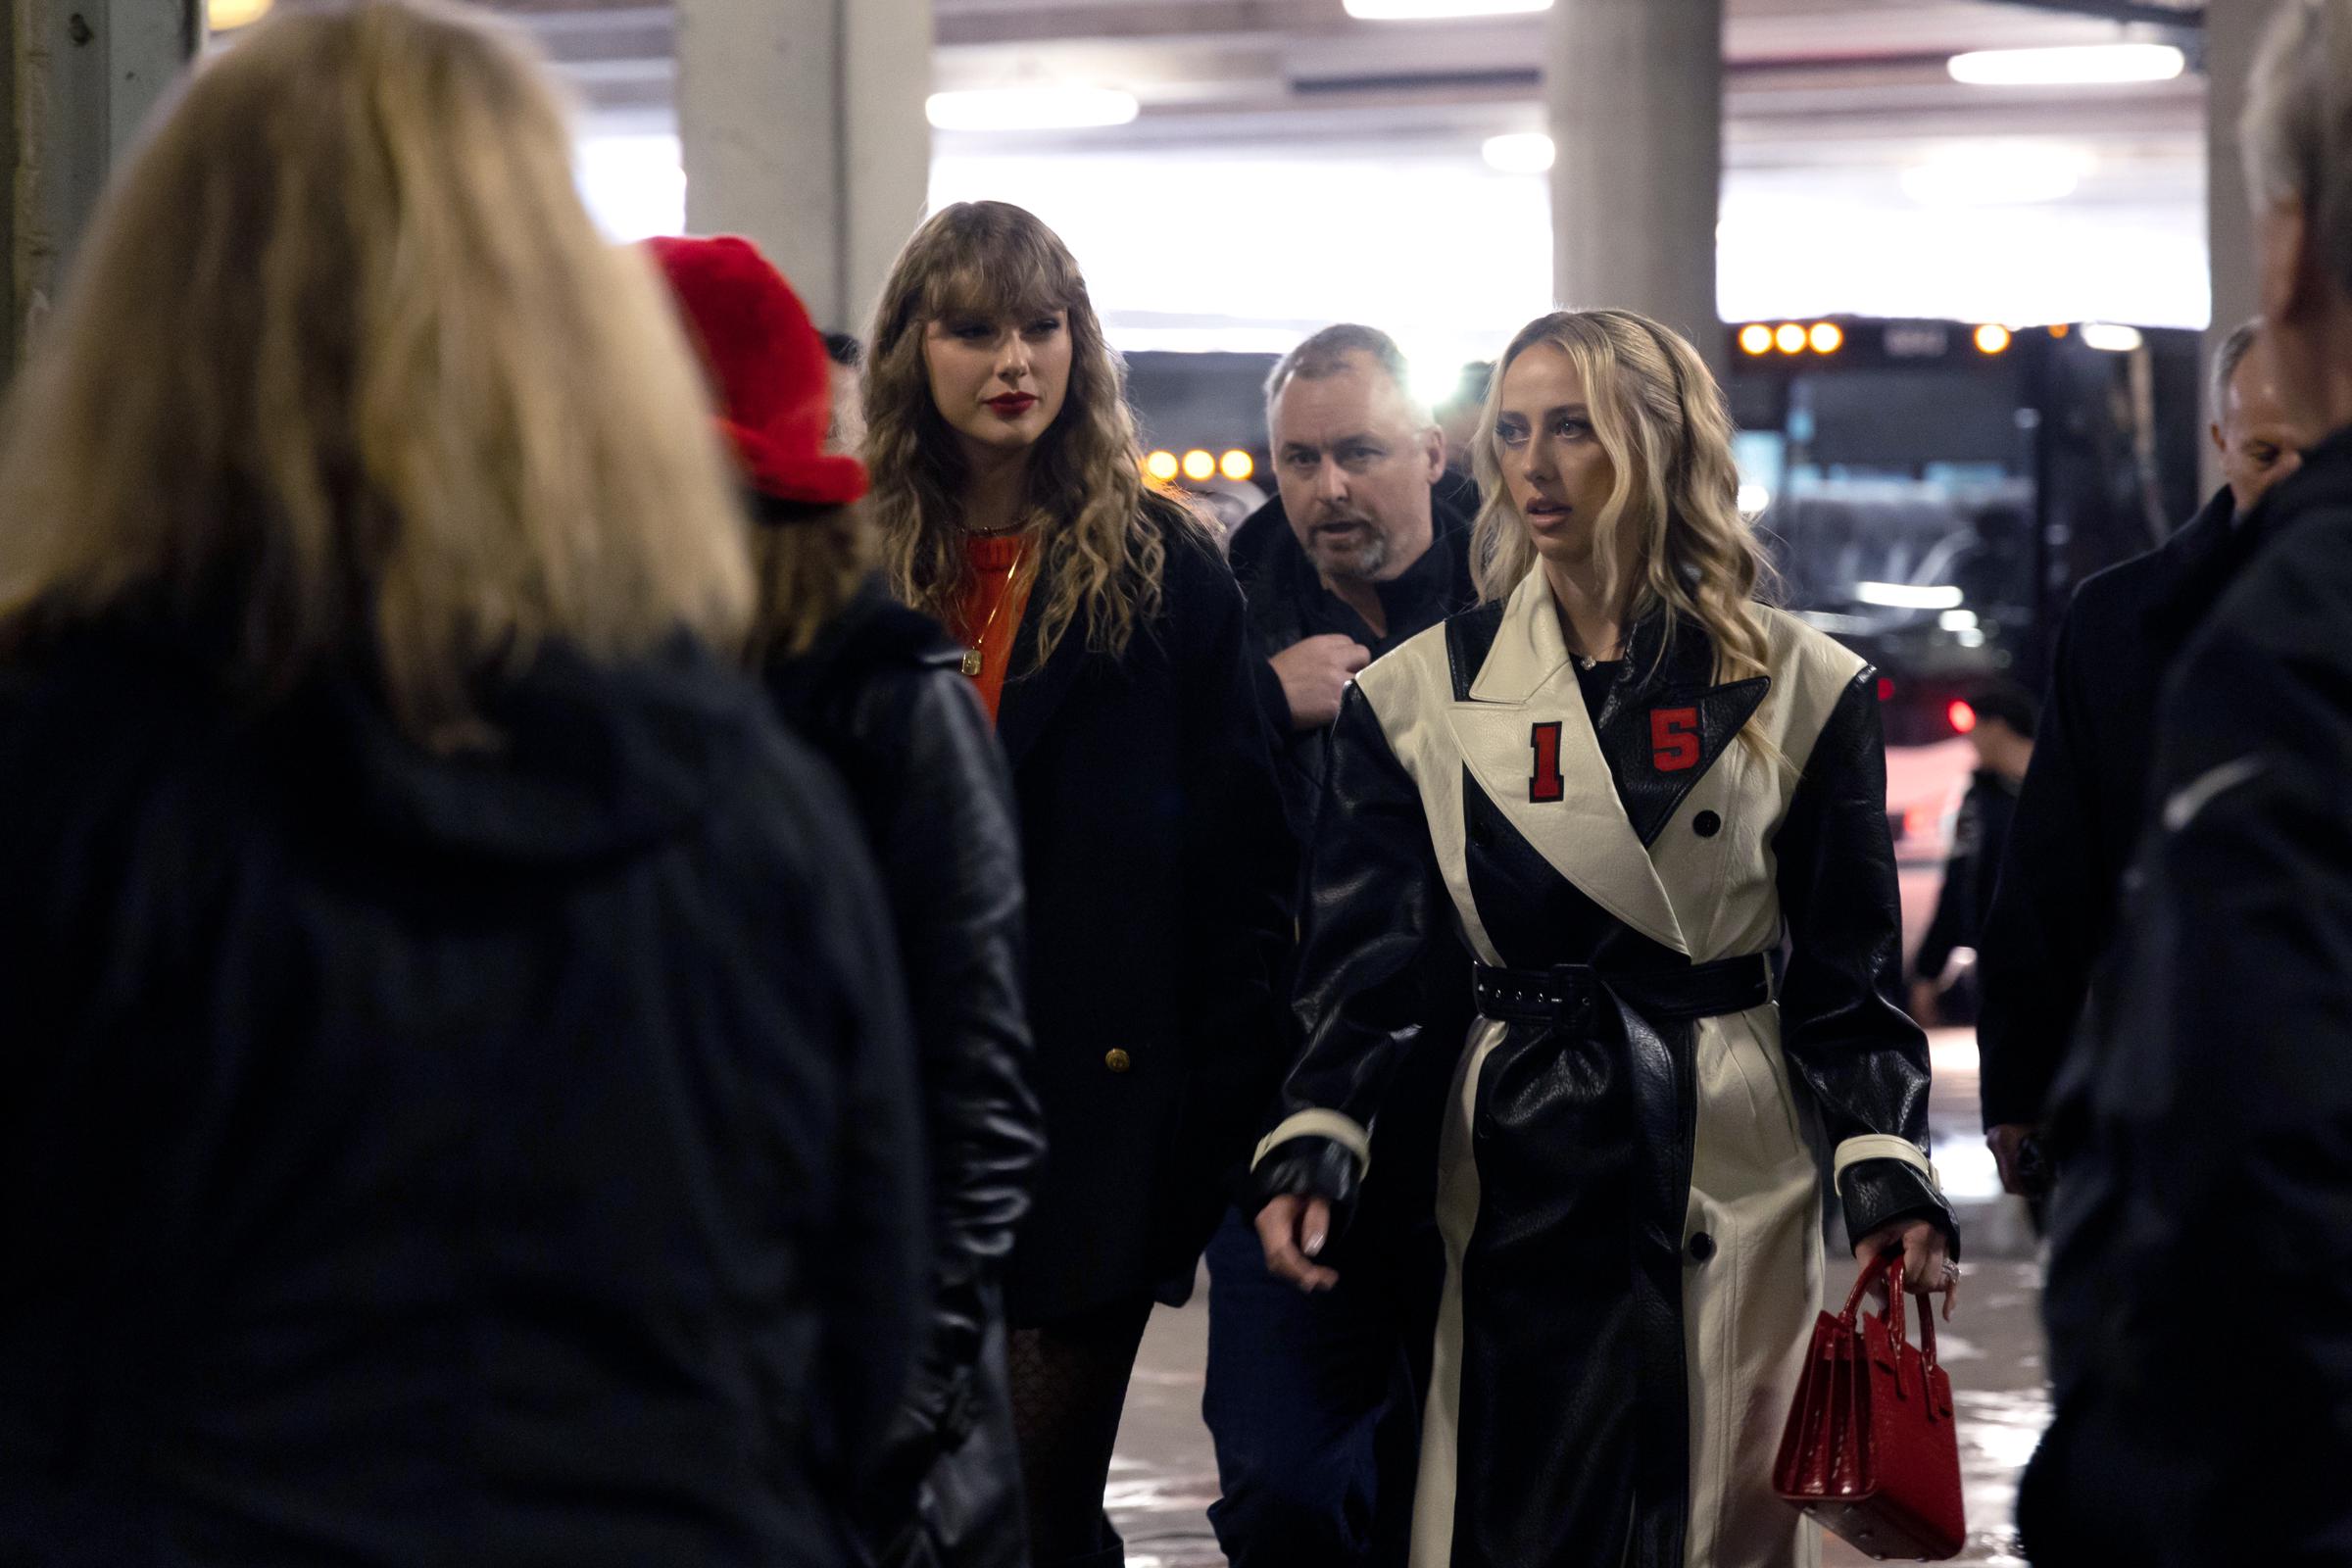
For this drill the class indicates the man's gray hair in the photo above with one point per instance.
(2297, 128)
(2226, 360)
(1329, 353)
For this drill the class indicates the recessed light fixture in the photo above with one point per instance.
(1032, 109)
(1441, 10)
(2111, 337)
(2078, 66)
(1523, 152)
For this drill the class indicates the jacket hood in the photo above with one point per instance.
(589, 760)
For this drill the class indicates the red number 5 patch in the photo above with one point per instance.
(1674, 739)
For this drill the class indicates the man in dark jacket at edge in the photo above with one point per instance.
(1314, 1400)
(2085, 793)
(2200, 1286)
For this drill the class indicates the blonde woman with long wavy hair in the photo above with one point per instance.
(1621, 783)
(459, 1108)
(1106, 636)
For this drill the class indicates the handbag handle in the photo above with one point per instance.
(1891, 1265)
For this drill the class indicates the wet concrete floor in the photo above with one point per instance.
(1164, 1477)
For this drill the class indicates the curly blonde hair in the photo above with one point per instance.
(1104, 533)
(347, 367)
(1672, 533)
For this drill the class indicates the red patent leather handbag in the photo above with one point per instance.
(1870, 1449)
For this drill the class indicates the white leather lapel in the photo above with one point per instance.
(1528, 680)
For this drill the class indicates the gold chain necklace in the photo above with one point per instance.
(1012, 581)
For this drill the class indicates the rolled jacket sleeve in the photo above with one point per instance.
(1843, 1027)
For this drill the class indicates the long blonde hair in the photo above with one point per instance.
(1672, 534)
(1102, 533)
(347, 368)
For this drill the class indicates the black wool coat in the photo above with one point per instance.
(1159, 875)
(506, 1156)
(2084, 798)
(2200, 1284)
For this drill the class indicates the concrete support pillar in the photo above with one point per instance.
(2232, 33)
(1634, 89)
(802, 126)
(82, 78)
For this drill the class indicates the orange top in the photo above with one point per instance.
(989, 616)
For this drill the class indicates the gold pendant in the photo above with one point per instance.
(972, 663)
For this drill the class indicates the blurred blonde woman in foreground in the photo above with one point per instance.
(445, 1020)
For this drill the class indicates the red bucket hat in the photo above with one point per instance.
(767, 367)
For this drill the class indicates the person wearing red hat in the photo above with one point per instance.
(878, 689)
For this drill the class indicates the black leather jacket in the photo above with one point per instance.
(880, 695)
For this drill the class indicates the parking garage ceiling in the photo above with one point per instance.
(1825, 75)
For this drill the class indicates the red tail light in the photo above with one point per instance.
(1963, 718)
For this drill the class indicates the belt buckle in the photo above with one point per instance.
(1578, 992)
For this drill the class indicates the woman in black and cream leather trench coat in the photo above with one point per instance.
(1624, 786)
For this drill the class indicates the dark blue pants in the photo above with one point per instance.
(1314, 1405)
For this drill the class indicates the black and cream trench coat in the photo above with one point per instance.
(1631, 1209)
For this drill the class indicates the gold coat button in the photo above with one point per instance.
(1117, 1061)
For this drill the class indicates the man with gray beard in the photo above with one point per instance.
(1314, 1400)
(1364, 546)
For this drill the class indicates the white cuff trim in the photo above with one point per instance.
(1343, 1131)
(1882, 1146)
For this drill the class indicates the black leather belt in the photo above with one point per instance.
(1570, 991)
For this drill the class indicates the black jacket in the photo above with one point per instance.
(503, 1158)
(1159, 877)
(1288, 604)
(2084, 797)
(881, 696)
(2200, 1288)
(1961, 906)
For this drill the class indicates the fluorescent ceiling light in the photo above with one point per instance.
(1906, 596)
(1032, 109)
(2112, 338)
(2080, 66)
(1527, 152)
(2004, 178)
(1441, 10)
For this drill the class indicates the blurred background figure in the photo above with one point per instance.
(2084, 798)
(1458, 415)
(459, 1107)
(1314, 1400)
(2201, 1286)
(1107, 637)
(2002, 737)
(846, 430)
(875, 687)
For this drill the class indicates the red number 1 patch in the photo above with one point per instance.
(1546, 784)
(1674, 739)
